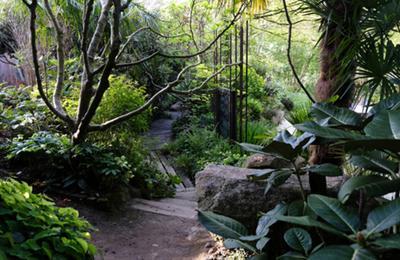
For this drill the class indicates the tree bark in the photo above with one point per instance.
(332, 81)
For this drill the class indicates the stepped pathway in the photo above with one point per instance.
(184, 204)
(154, 229)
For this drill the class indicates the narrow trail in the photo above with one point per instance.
(153, 229)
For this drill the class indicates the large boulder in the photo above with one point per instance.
(227, 190)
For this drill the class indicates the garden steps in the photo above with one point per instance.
(183, 205)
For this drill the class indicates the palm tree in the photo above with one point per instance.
(348, 51)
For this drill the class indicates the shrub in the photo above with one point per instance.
(52, 158)
(32, 227)
(124, 96)
(89, 167)
(254, 109)
(260, 132)
(196, 148)
(21, 113)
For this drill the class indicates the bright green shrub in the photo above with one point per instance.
(124, 96)
(254, 109)
(32, 227)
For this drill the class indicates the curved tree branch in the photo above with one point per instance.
(289, 55)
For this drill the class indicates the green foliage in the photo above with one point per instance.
(21, 113)
(260, 132)
(370, 235)
(194, 149)
(48, 154)
(300, 114)
(32, 227)
(123, 96)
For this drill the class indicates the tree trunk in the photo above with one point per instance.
(332, 82)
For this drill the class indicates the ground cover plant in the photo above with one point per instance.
(32, 227)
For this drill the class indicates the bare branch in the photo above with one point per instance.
(137, 62)
(60, 58)
(201, 86)
(289, 55)
(130, 37)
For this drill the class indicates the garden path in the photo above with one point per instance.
(154, 229)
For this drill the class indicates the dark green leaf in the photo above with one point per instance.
(233, 243)
(277, 178)
(392, 103)
(299, 208)
(342, 253)
(328, 133)
(310, 222)
(269, 218)
(298, 239)
(383, 217)
(333, 212)
(374, 161)
(326, 169)
(390, 242)
(336, 115)
(262, 243)
(221, 225)
(386, 125)
(371, 185)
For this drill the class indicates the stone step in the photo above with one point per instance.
(187, 195)
(168, 207)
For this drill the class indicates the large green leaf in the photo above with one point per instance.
(262, 243)
(326, 169)
(310, 222)
(390, 242)
(269, 218)
(221, 225)
(234, 243)
(300, 208)
(287, 146)
(386, 125)
(328, 133)
(335, 213)
(371, 185)
(383, 217)
(336, 115)
(374, 161)
(298, 239)
(343, 253)
(277, 178)
(392, 103)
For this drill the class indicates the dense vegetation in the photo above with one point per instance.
(85, 79)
